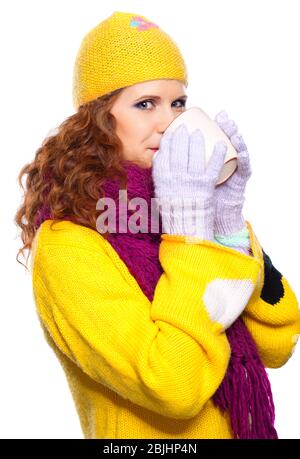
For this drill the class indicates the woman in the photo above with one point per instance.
(161, 334)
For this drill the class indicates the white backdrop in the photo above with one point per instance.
(242, 56)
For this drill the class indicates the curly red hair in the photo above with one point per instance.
(69, 168)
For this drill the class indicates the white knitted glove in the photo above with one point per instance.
(184, 187)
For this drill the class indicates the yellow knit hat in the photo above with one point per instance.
(123, 50)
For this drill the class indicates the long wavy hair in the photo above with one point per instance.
(69, 168)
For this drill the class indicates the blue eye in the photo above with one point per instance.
(139, 104)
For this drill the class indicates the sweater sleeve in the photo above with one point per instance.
(238, 241)
(272, 314)
(168, 356)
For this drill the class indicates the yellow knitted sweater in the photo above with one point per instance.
(138, 369)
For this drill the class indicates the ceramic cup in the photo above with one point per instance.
(195, 118)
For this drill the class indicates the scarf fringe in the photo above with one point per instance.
(246, 391)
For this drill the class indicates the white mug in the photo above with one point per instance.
(195, 118)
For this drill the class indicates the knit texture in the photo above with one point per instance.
(239, 241)
(123, 344)
(231, 196)
(123, 50)
(185, 182)
(246, 390)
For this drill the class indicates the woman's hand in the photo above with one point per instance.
(230, 195)
(182, 180)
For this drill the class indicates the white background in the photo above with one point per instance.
(242, 56)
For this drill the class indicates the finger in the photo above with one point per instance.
(243, 164)
(196, 158)
(162, 156)
(227, 125)
(221, 117)
(179, 149)
(229, 128)
(238, 142)
(216, 161)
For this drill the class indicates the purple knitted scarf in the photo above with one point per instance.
(245, 392)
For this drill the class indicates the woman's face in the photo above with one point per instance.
(143, 112)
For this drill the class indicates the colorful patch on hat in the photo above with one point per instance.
(141, 24)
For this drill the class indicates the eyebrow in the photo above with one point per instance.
(184, 96)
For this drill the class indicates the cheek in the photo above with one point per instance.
(134, 130)
(136, 124)
(134, 134)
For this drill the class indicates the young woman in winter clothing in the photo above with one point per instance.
(166, 333)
